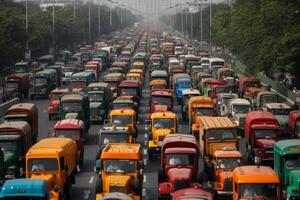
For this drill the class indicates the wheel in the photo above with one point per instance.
(67, 191)
(149, 155)
(137, 187)
(99, 186)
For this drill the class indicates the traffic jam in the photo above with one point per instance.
(167, 120)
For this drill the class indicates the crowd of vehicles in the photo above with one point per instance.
(221, 111)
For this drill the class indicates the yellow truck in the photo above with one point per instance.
(160, 125)
(121, 170)
(54, 160)
(216, 133)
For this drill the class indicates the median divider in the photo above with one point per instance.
(6, 105)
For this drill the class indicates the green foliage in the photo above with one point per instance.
(68, 33)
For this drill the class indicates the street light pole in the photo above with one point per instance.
(210, 22)
(90, 37)
(53, 26)
(192, 23)
(74, 12)
(110, 17)
(201, 27)
(99, 19)
(182, 21)
(26, 25)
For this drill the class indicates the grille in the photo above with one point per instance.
(93, 112)
(117, 189)
(227, 185)
(180, 185)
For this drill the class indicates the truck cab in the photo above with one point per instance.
(160, 125)
(121, 170)
(186, 95)
(53, 108)
(131, 88)
(15, 140)
(43, 83)
(179, 163)
(16, 85)
(224, 161)
(55, 161)
(124, 118)
(75, 106)
(255, 182)
(161, 97)
(261, 133)
(80, 80)
(286, 166)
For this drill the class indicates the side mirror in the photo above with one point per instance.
(97, 165)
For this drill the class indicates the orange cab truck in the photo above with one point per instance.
(216, 133)
(224, 161)
(179, 163)
(199, 106)
(255, 182)
(121, 170)
(261, 133)
(54, 160)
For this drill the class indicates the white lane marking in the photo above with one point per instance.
(145, 152)
(145, 161)
(144, 192)
(145, 135)
(145, 143)
(44, 111)
(91, 179)
(145, 178)
(86, 194)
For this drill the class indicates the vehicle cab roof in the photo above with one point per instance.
(254, 174)
(121, 151)
(167, 114)
(227, 154)
(191, 91)
(287, 147)
(69, 124)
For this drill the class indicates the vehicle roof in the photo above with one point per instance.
(122, 151)
(23, 106)
(112, 75)
(277, 106)
(201, 100)
(191, 91)
(158, 82)
(45, 72)
(124, 111)
(161, 93)
(69, 124)
(227, 154)
(133, 74)
(216, 59)
(28, 186)
(159, 73)
(18, 75)
(181, 75)
(266, 93)
(255, 174)
(98, 84)
(123, 101)
(59, 90)
(85, 73)
(259, 115)
(129, 83)
(192, 193)
(224, 69)
(52, 145)
(248, 79)
(167, 114)
(289, 146)
(217, 122)
(239, 101)
(15, 125)
(71, 97)
(230, 95)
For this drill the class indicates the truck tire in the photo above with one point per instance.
(67, 190)
(99, 186)
(149, 155)
(137, 187)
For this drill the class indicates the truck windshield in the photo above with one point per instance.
(121, 166)
(73, 134)
(184, 84)
(42, 164)
(163, 123)
(55, 96)
(252, 84)
(20, 68)
(6, 145)
(228, 163)
(203, 111)
(292, 161)
(113, 138)
(71, 106)
(121, 120)
(95, 97)
(222, 89)
(77, 84)
(221, 134)
(217, 63)
(241, 109)
(280, 111)
(12, 84)
(263, 133)
(40, 80)
(268, 99)
(161, 99)
(251, 191)
(129, 91)
(180, 159)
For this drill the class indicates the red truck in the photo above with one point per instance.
(294, 123)
(261, 133)
(54, 96)
(179, 164)
(161, 97)
(16, 85)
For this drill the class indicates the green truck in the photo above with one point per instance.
(100, 97)
(43, 83)
(15, 140)
(287, 167)
(75, 106)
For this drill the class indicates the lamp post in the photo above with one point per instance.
(53, 27)
(90, 35)
(74, 12)
(99, 19)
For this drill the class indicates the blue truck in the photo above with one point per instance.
(25, 188)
